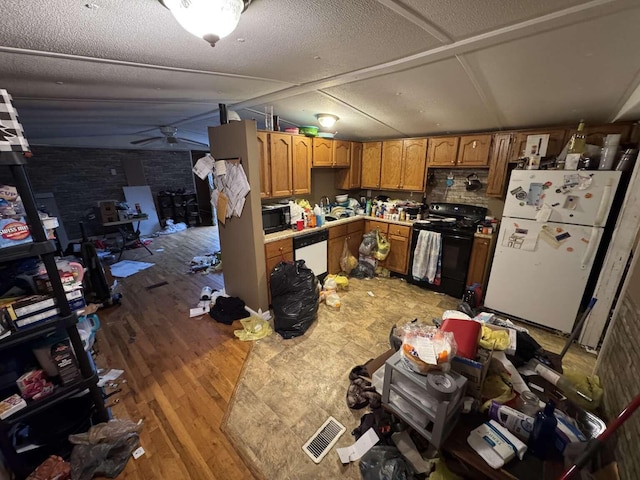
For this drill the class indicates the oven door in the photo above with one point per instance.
(456, 254)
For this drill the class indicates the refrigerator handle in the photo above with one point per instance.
(586, 258)
(604, 203)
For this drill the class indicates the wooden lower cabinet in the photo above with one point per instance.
(479, 264)
(274, 253)
(334, 252)
(399, 237)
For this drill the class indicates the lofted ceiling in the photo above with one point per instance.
(103, 73)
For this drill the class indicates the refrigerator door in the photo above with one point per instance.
(566, 196)
(540, 271)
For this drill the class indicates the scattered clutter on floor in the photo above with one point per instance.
(126, 268)
(207, 263)
(171, 227)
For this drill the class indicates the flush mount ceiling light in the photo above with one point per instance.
(207, 19)
(327, 120)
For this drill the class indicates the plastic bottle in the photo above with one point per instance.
(541, 440)
(205, 293)
(609, 151)
(317, 211)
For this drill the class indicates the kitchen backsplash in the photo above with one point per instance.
(437, 190)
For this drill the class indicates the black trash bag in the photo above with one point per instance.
(363, 270)
(104, 450)
(385, 463)
(228, 309)
(295, 295)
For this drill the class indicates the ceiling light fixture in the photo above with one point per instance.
(327, 120)
(210, 20)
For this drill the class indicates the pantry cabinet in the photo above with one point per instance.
(442, 151)
(473, 151)
(479, 263)
(498, 162)
(403, 164)
(371, 165)
(302, 154)
(349, 178)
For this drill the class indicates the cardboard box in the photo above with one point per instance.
(475, 371)
(108, 212)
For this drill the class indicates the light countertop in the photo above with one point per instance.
(274, 237)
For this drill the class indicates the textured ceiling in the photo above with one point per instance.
(108, 75)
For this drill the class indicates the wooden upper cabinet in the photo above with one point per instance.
(265, 170)
(322, 152)
(281, 163)
(414, 155)
(302, 153)
(341, 153)
(473, 150)
(498, 161)
(555, 146)
(371, 165)
(390, 172)
(349, 178)
(442, 151)
(595, 134)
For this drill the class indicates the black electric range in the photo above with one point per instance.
(457, 224)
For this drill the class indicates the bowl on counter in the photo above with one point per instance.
(309, 130)
(342, 198)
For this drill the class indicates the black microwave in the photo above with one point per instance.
(275, 218)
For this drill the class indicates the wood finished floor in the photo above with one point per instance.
(180, 372)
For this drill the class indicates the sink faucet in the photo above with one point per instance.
(324, 203)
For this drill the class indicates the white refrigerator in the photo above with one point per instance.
(551, 228)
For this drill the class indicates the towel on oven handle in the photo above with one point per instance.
(427, 257)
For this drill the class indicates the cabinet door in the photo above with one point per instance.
(556, 142)
(498, 161)
(301, 165)
(414, 158)
(334, 251)
(398, 258)
(349, 178)
(390, 171)
(265, 169)
(474, 150)
(442, 151)
(322, 152)
(356, 165)
(281, 163)
(370, 225)
(478, 262)
(354, 240)
(595, 134)
(341, 153)
(371, 164)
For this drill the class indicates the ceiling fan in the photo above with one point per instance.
(170, 137)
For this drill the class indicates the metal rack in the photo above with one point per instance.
(67, 320)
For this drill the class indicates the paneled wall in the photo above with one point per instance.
(81, 177)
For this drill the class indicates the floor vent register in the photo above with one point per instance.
(325, 438)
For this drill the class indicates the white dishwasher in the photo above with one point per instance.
(312, 248)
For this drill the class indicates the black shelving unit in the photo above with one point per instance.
(67, 320)
(180, 207)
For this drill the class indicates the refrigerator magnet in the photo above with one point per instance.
(535, 194)
(571, 202)
(584, 181)
(588, 195)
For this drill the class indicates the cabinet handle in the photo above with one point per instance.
(473, 145)
(453, 161)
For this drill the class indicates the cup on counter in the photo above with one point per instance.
(299, 225)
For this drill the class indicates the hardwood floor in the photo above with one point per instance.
(181, 372)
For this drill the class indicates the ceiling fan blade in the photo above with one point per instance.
(194, 142)
(145, 141)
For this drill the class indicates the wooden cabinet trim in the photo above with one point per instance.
(337, 231)
(275, 249)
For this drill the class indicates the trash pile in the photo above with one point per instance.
(375, 247)
(207, 263)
